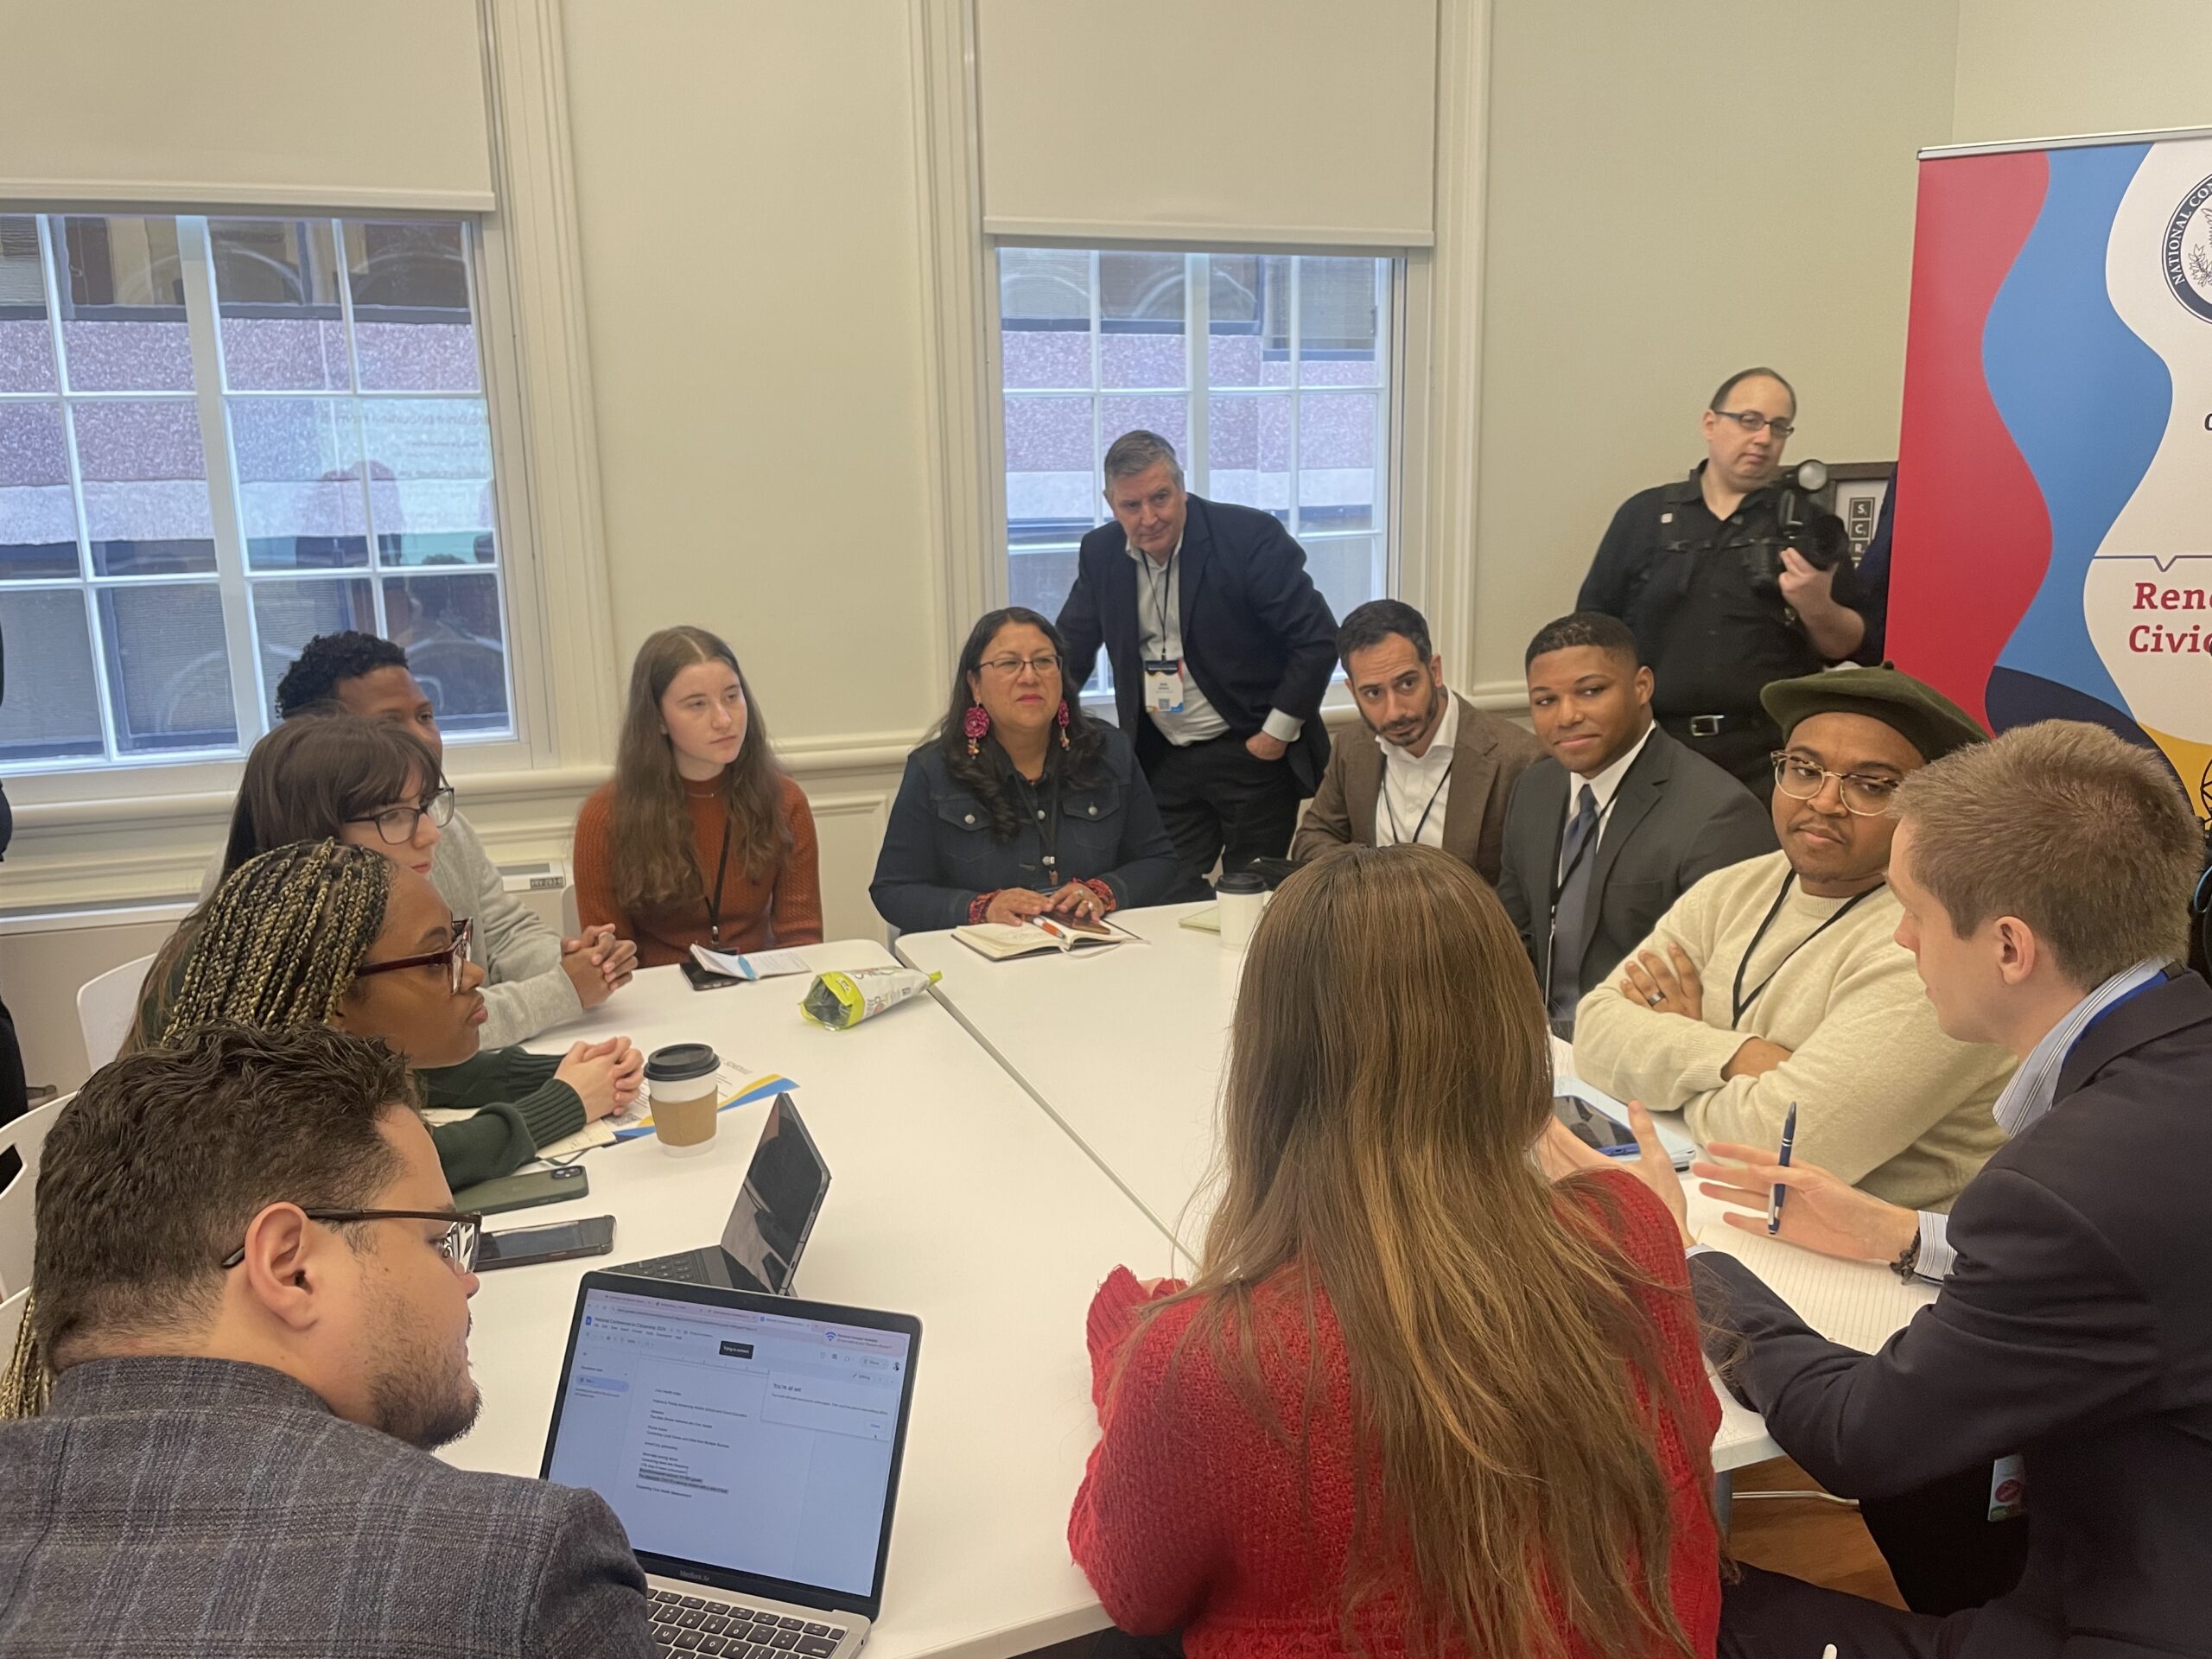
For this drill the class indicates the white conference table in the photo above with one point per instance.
(951, 1197)
(1124, 1048)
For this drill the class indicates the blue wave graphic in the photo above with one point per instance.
(2083, 396)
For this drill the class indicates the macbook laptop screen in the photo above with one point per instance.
(776, 1207)
(755, 1443)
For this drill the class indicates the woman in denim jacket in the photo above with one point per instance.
(1021, 804)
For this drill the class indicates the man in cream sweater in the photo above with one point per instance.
(1779, 981)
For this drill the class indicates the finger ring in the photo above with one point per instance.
(1655, 999)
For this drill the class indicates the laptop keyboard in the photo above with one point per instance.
(690, 1624)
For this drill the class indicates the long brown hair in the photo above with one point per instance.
(655, 865)
(1388, 1072)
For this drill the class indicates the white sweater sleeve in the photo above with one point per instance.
(1633, 1052)
(524, 990)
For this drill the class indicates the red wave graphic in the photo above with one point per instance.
(1972, 539)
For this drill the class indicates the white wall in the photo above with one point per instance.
(1677, 191)
(2050, 68)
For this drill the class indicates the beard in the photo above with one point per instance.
(423, 1395)
(1430, 715)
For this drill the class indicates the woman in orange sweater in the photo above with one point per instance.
(701, 838)
(1420, 1400)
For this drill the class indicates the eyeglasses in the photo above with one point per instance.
(1751, 421)
(455, 957)
(396, 823)
(1041, 665)
(456, 1245)
(1801, 780)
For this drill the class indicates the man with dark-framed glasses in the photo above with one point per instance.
(1776, 982)
(1730, 581)
(254, 1286)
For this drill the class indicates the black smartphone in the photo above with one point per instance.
(1593, 1128)
(706, 979)
(520, 1247)
(530, 1188)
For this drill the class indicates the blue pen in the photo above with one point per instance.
(1789, 1139)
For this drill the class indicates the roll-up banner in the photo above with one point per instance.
(2053, 541)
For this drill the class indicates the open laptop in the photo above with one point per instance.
(769, 1224)
(751, 1445)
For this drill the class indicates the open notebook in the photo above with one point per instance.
(1860, 1304)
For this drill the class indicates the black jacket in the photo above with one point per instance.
(2075, 1330)
(939, 852)
(1677, 818)
(1256, 632)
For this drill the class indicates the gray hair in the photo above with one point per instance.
(1134, 452)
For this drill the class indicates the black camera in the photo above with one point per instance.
(1802, 520)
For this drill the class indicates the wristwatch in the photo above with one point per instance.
(1908, 1259)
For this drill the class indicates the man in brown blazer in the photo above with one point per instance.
(1439, 770)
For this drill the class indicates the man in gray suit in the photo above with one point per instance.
(1439, 770)
(1648, 817)
(254, 1287)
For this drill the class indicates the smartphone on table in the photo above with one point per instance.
(523, 1191)
(563, 1241)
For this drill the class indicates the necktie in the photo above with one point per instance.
(1578, 857)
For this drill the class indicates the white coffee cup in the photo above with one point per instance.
(683, 1081)
(1241, 898)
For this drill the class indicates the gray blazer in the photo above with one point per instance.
(1490, 753)
(1677, 818)
(201, 1507)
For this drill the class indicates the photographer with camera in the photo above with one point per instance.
(1732, 579)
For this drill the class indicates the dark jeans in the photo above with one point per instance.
(1943, 1550)
(1742, 748)
(1767, 1615)
(1219, 800)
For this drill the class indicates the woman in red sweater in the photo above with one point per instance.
(701, 838)
(1419, 1399)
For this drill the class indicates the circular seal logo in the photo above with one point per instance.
(2188, 251)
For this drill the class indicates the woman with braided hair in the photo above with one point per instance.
(320, 933)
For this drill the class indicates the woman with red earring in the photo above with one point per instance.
(1021, 805)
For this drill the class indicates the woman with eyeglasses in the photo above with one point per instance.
(319, 933)
(701, 838)
(1019, 806)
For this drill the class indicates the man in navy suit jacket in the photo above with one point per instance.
(1221, 648)
(2067, 1358)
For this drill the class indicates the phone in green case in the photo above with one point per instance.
(523, 1191)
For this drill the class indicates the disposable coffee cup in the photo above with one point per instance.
(1242, 898)
(682, 1080)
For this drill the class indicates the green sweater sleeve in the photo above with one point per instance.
(523, 1108)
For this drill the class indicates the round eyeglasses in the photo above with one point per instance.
(1801, 780)
(396, 824)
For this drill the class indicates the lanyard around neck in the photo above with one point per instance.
(1162, 591)
(721, 871)
(1740, 1003)
(1397, 835)
(1044, 811)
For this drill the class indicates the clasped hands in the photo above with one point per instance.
(1015, 905)
(606, 1075)
(598, 964)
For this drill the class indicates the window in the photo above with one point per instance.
(218, 438)
(1269, 373)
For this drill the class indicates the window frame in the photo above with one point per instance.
(188, 781)
(1402, 411)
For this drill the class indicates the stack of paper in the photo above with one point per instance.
(1860, 1304)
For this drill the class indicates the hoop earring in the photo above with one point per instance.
(1063, 718)
(977, 726)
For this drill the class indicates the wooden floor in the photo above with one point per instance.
(1808, 1538)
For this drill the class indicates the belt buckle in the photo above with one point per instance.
(1707, 725)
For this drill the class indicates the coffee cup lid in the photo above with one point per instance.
(681, 1062)
(1242, 882)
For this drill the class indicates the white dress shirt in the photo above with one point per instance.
(1603, 788)
(1160, 634)
(1417, 793)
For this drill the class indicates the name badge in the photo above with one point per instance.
(2008, 1488)
(1163, 687)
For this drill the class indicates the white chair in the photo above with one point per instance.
(11, 1320)
(107, 1007)
(18, 1219)
(572, 927)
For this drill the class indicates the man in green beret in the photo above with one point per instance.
(1778, 981)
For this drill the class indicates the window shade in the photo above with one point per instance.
(377, 106)
(1268, 122)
